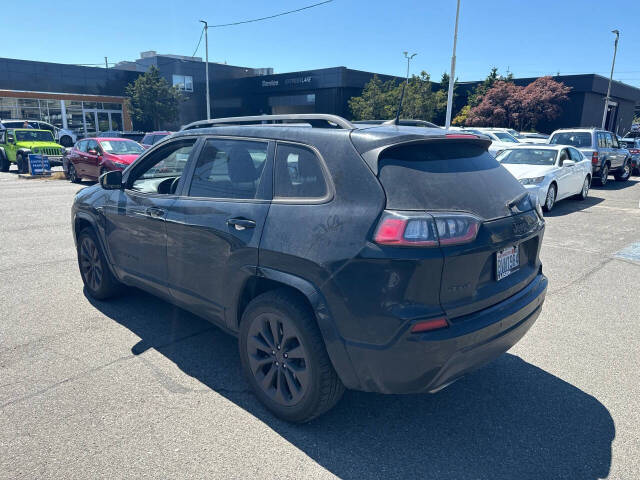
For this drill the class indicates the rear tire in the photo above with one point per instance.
(96, 274)
(585, 188)
(284, 357)
(550, 199)
(604, 175)
(624, 174)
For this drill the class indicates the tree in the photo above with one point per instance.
(508, 105)
(379, 100)
(152, 101)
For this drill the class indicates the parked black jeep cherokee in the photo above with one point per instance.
(384, 258)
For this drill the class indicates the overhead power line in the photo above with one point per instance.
(270, 16)
(198, 46)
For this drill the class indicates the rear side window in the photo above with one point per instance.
(447, 176)
(157, 138)
(575, 139)
(147, 140)
(298, 173)
(229, 169)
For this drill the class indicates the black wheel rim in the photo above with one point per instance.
(72, 173)
(278, 359)
(90, 264)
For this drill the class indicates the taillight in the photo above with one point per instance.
(594, 158)
(412, 229)
(634, 151)
(428, 325)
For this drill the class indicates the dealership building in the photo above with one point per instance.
(89, 99)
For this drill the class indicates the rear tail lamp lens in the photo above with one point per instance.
(426, 229)
(594, 158)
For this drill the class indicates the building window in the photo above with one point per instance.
(183, 82)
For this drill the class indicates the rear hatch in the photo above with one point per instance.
(437, 178)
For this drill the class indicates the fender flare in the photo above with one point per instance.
(334, 343)
(93, 222)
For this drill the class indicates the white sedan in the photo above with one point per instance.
(552, 172)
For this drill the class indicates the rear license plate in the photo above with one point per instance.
(508, 261)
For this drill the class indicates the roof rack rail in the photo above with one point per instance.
(316, 120)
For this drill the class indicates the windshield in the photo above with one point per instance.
(515, 134)
(121, 147)
(34, 136)
(575, 139)
(528, 156)
(505, 137)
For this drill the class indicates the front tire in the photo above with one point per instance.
(4, 163)
(66, 141)
(96, 274)
(624, 174)
(23, 166)
(72, 174)
(284, 357)
(550, 199)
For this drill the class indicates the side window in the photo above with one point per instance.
(608, 140)
(601, 141)
(10, 136)
(92, 145)
(82, 146)
(3, 134)
(147, 140)
(298, 173)
(614, 141)
(157, 172)
(576, 156)
(229, 169)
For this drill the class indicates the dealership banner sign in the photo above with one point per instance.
(39, 165)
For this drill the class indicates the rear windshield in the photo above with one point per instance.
(458, 176)
(528, 156)
(575, 139)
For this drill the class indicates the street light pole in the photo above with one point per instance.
(453, 71)
(206, 66)
(606, 100)
(408, 57)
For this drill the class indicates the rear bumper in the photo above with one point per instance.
(426, 362)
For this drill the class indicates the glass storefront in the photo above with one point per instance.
(83, 118)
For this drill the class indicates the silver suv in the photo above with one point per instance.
(607, 156)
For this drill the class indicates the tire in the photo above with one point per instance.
(4, 163)
(585, 188)
(23, 166)
(66, 141)
(604, 175)
(295, 388)
(623, 174)
(550, 199)
(72, 174)
(96, 274)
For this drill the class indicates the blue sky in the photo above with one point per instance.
(528, 38)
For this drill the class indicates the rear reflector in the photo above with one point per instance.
(429, 325)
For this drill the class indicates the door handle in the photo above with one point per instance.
(241, 223)
(155, 212)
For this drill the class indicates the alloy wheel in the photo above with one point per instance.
(278, 358)
(72, 174)
(604, 176)
(551, 197)
(90, 263)
(627, 171)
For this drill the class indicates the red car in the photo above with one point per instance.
(91, 157)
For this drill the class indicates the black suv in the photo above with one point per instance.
(385, 258)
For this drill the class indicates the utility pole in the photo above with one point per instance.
(613, 64)
(106, 64)
(206, 65)
(453, 71)
(408, 57)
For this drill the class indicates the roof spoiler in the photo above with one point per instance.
(316, 120)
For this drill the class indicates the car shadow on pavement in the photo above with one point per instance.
(571, 205)
(613, 185)
(509, 420)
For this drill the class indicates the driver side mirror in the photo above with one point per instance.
(111, 180)
(568, 163)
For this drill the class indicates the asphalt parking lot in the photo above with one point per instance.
(135, 387)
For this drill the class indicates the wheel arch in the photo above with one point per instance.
(83, 220)
(268, 279)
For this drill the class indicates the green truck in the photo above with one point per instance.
(17, 143)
